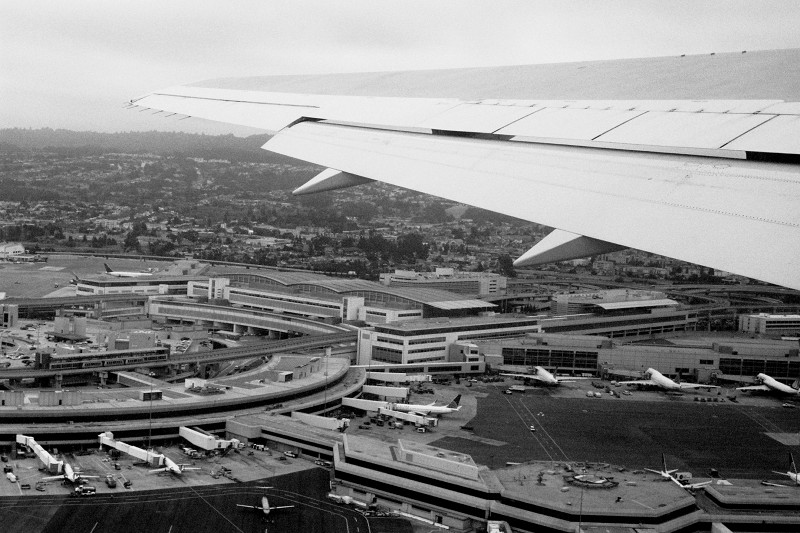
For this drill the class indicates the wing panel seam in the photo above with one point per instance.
(236, 101)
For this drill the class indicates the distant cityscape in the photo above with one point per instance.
(220, 199)
(174, 280)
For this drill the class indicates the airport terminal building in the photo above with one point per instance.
(767, 324)
(467, 283)
(702, 359)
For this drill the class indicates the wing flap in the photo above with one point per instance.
(779, 135)
(561, 245)
(477, 118)
(697, 130)
(569, 123)
(678, 206)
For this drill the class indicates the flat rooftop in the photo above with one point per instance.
(455, 323)
(637, 492)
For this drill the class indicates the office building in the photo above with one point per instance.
(467, 283)
(766, 324)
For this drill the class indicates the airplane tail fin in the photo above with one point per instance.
(796, 384)
(455, 401)
(794, 469)
(664, 463)
(108, 268)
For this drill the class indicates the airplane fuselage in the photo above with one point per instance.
(128, 274)
(424, 409)
(776, 385)
(661, 380)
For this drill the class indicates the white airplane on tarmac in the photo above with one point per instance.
(792, 472)
(666, 474)
(69, 475)
(428, 409)
(654, 378)
(769, 384)
(669, 474)
(543, 376)
(265, 506)
(122, 274)
(172, 467)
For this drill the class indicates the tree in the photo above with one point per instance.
(411, 245)
(131, 241)
(505, 266)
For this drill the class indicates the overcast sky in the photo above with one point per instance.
(72, 64)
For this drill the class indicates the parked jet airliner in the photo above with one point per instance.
(428, 409)
(121, 274)
(792, 472)
(69, 475)
(670, 474)
(654, 378)
(543, 376)
(172, 467)
(770, 384)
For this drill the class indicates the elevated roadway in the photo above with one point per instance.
(101, 304)
(226, 354)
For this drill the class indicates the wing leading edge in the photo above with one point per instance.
(674, 178)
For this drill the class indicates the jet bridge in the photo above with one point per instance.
(413, 418)
(51, 463)
(152, 458)
(207, 441)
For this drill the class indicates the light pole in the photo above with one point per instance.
(150, 425)
(328, 350)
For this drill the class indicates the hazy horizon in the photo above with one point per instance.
(75, 65)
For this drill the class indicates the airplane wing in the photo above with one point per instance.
(754, 388)
(648, 382)
(281, 507)
(52, 478)
(251, 506)
(603, 152)
(524, 376)
(697, 386)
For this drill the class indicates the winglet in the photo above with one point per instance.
(560, 245)
(108, 268)
(330, 180)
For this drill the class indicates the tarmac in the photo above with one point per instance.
(746, 439)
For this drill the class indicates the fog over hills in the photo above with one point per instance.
(167, 143)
